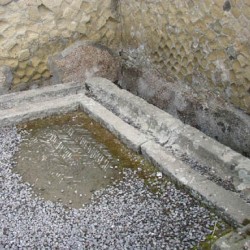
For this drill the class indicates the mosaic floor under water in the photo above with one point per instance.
(64, 161)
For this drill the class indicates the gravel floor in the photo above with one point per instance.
(124, 216)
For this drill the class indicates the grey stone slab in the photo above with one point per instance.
(126, 133)
(234, 240)
(227, 203)
(222, 158)
(226, 123)
(6, 78)
(43, 94)
(33, 111)
(140, 113)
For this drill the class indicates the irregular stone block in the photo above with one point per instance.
(6, 78)
(83, 60)
(24, 55)
(5, 2)
(52, 4)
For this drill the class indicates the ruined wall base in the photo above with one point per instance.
(205, 112)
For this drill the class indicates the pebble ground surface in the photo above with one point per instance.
(126, 215)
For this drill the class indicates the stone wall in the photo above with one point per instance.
(32, 30)
(205, 44)
(191, 59)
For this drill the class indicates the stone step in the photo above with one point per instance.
(16, 99)
(32, 110)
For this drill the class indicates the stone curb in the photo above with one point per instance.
(170, 131)
(126, 133)
(228, 204)
(141, 114)
(37, 95)
(37, 110)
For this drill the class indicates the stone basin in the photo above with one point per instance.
(67, 161)
(63, 160)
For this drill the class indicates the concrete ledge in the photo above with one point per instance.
(138, 112)
(126, 133)
(38, 110)
(167, 130)
(229, 205)
(37, 95)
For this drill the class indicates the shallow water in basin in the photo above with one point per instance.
(66, 160)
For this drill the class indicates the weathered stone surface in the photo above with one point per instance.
(4, 2)
(32, 111)
(239, 240)
(190, 40)
(83, 60)
(24, 55)
(6, 78)
(228, 203)
(126, 133)
(14, 100)
(51, 4)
